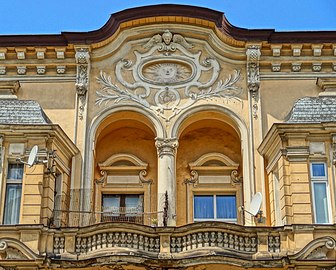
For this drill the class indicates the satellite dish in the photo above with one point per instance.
(32, 156)
(255, 204)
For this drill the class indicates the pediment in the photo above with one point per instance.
(13, 249)
(123, 160)
(319, 249)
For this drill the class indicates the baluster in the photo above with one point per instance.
(270, 243)
(94, 242)
(188, 242)
(226, 240)
(231, 241)
(277, 244)
(61, 244)
(83, 245)
(89, 243)
(116, 240)
(146, 243)
(123, 240)
(135, 241)
(78, 245)
(199, 240)
(194, 241)
(220, 239)
(253, 244)
(173, 245)
(151, 244)
(109, 239)
(241, 243)
(99, 242)
(184, 243)
(212, 239)
(206, 239)
(179, 244)
(141, 242)
(56, 245)
(129, 240)
(247, 244)
(157, 244)
(236, 242)
(104, 241)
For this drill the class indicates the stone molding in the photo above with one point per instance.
(166, 146)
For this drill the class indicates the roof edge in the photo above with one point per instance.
(214, 16)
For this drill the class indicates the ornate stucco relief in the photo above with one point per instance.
(82, 78)
(167, 76)
(253, 78)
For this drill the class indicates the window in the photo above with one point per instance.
(319, 182)
(13, 194)
(215, 207)
(122, 207)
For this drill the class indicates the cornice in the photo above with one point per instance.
(170, 10)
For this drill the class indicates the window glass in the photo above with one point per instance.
(203, 207)
(111, 204)
(12, 204)
(321, 202)
(15, 171)
(318, 169)
(226, 207)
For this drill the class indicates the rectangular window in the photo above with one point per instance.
(215, 207)
(319, 182)
(122, 207)
(13, 194)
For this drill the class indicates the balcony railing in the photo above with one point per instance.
(121, 214)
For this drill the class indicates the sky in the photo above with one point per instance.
(54, 17)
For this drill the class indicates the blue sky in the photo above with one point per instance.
(52, 17)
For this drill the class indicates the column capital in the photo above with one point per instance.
(166, 146)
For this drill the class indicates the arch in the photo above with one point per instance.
(134, 160)
(151, 121)
(226, 115)
(213, 156)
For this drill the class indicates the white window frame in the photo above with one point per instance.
(320, 179)
(229, 220)
(9, 181)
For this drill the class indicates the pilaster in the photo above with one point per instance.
(166, 149)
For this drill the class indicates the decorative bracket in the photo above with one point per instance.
(193, 179)
(253, 79)
(235, 178)
(82, 78)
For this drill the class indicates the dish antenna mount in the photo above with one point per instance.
(255, 206)
(32, 158)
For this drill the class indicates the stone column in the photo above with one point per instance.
(167, 177)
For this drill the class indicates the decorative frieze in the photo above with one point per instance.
(296, 67)
(166, 78)
(40, 53)
(276, 67)
(296, 49)
(317, 50)
(317, 67)
(60, 69)
(60, 53)
(40, 70)
(21, 70)
(3, 53)
(276, 50)
(20, 54)
(2, 70)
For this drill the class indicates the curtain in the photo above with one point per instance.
(226, 207)
(111, 204)
(318, 169)
(203, 207)
(12, 204)
(321, 204)
(15, 171)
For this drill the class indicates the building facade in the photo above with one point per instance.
(168, 139)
